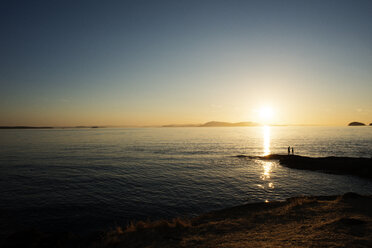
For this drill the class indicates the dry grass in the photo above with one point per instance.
(146, 234)
(176, 223)
(344, 221)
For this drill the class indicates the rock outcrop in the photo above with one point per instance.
(356, 123)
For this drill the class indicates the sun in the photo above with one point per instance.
(266, 113)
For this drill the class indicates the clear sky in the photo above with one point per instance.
(167, 62)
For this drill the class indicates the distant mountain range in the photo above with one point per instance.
(217, 124)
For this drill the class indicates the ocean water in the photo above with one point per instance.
(91, 179)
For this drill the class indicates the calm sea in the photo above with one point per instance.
(91, 179)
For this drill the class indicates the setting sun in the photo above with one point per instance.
(266, 113)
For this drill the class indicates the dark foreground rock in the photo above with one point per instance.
(323, 221)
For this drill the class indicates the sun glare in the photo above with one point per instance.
(266, 113)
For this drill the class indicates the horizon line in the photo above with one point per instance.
(157, 126)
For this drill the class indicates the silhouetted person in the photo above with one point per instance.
(292, 151)
(289, 150)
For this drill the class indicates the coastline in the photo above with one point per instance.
(361, 167)
(307, 221)
(296, 222)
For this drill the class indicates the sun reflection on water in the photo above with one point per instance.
(267, 166)
(266, 139)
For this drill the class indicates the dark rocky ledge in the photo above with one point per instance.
(306, 221)
(335, 165)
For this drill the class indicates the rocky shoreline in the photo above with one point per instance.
(308, 221)
(361, 167)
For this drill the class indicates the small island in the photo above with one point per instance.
(356, 123)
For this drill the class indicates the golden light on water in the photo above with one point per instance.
(267, 169)
(266, 140)
(266, 165)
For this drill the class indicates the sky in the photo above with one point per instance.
(139, 63)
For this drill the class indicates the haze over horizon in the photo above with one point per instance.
(138, 63)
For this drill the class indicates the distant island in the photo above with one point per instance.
(23, 127)
(87, 127)
(355, 123)
(217, 124)
(33, 127)
(182, 125)
(229, 124)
